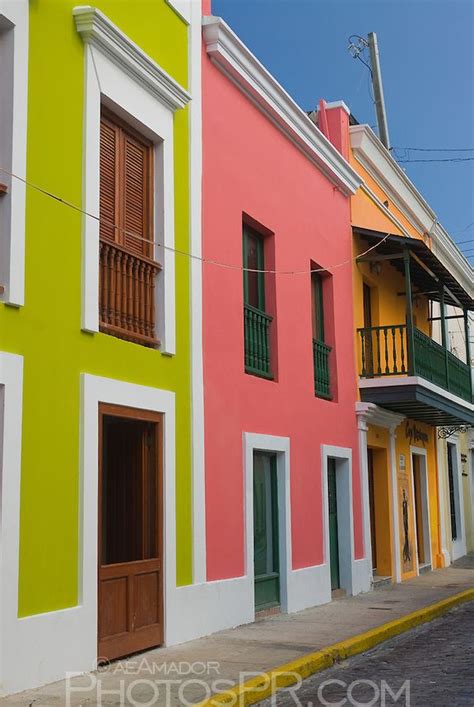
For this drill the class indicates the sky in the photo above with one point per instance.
(427, 59)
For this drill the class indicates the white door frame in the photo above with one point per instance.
(280, 446)
(11, 423)
(425, 505)
(345, 515)
(458, 546)
(370, 413)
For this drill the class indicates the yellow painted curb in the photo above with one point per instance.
(266, 684)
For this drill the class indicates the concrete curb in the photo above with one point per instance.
(266, 684)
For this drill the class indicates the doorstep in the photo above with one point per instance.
(379, 581)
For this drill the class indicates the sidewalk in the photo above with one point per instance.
(179, 675)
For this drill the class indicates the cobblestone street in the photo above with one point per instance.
(437, 659)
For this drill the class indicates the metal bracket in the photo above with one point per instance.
(445, 432)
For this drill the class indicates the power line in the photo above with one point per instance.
(229, 266)
(445, 159)
(469, 240)
(436, 149)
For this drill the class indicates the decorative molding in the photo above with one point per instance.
(235, 60)
(183, 8)
(375, 415)
(97, 30)
(379, 163)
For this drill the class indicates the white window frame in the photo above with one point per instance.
(121, 76)
(14, 16)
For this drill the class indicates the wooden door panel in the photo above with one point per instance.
(113, 607)
(146, 609)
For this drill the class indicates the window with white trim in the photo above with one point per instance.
(13, 122)
(121, 77)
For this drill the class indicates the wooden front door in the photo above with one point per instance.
(130, 531)
(333, 525)
(265, 529)
(373, 533)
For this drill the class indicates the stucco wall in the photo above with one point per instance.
(46, 331)
(251, 168)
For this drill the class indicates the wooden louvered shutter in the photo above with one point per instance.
(136, 196)
(109, 179)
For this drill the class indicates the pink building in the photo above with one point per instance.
(283, 491)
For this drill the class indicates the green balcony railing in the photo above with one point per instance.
(257, 341)
(321, 352)
(384, 352)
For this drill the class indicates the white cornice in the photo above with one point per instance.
(338, 104)
(232, 57)
(370, 412)
(447, 251)
(97, 30)
(379, 163)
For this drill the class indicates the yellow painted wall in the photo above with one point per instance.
(378, 440)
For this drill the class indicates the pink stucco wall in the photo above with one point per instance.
(250, 168)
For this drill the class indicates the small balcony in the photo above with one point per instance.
(384, 352)
(401, 368)
(321, 354)
(127, 294)
(257, 342)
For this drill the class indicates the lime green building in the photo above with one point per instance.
(98, 366)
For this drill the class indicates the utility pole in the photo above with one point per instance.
(378, 90)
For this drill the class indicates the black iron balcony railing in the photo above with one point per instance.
(384, 352)
(257, 341)
(321, 352)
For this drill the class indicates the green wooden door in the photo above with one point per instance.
(265, 531)
(333, 533)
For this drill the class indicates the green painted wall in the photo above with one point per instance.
(46, 331)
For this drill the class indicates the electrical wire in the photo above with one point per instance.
(229, 266)
(436, 149)
(441, 159)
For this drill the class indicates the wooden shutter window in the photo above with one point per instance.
(127, 266)
(109, 179)
(126, 187)
(136, 195)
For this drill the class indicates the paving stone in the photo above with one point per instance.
(437, 659)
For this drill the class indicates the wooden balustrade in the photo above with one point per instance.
(127, 294)
(384, 352)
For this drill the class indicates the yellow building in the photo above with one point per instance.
(412, 389)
